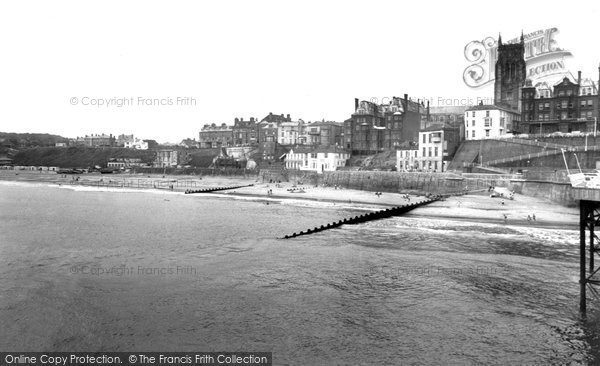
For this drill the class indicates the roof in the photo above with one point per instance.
(439, 128)
(324, 123)
(451, 109)
(487, 107)
(317, 149)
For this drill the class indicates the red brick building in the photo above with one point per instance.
(375, 128)
(567, 107)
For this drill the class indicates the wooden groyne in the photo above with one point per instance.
(376, 215)
(215, 189)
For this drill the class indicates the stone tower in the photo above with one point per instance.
(510, 74)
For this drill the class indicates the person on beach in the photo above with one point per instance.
(528, 217)
(533, 217)
(505, 217)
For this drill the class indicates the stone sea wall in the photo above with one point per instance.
(435, 183)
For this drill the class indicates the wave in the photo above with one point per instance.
(559, 237)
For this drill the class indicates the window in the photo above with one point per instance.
(325, 155)
(429, 137)
(563, 104)
(430, 151)
(501, 121)
(435, 153)
(583, 103)
(487, 133)
(589, 114)
(473, 114)
(473, 123)
(473, 134)
(424, 138)
(424, 152)
(590, 102)
(541, 106)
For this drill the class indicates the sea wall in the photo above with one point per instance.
(381, 181)
(561, 193)
(436, 183)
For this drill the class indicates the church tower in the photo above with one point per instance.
(510, 74)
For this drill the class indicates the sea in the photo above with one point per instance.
(97, 269)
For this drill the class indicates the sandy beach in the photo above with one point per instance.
(476, 206)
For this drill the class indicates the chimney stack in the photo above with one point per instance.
(356, 99)
(579, 78)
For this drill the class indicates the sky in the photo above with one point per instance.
(173, 66)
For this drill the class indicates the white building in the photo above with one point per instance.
(489, 121)
(437, 145)
(320, 159)
(407, 160)
(288, 133)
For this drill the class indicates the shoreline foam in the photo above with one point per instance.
(471, 207)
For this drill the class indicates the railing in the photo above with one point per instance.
(540, 154)
(534, 143)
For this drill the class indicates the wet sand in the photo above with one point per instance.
(475, 207)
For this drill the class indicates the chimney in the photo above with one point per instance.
(405, 103)
(288, 117)
(427, 110)
(356, 99)
(579, 78)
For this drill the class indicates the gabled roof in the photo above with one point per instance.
(565, 82)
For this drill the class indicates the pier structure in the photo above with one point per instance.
(589, 218)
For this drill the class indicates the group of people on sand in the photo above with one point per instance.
(529, 217)
(378, 194)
